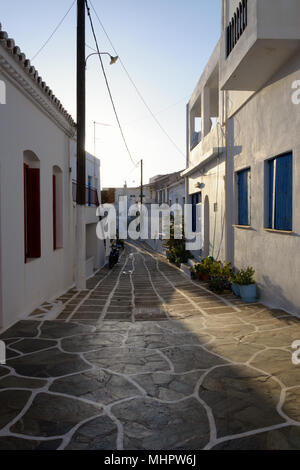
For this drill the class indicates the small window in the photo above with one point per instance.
(280, 175)
(244, 197)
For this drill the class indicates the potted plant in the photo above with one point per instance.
(220, 275)
(193, 272)
(176, 248)
(234, 286)
(207, 268)
(247, 286)
(199, 272)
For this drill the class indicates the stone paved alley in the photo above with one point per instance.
(147, 359)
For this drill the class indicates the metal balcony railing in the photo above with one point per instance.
(236, 26)
(91, 194)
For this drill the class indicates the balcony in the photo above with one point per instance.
(91, 195)
(260, 37)
(209, 148)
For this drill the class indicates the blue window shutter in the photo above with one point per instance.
(196, 199)
(243, 197)
(284, 193)
(193, 215)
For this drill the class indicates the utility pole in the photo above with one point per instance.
(80, 277)
(94, 138)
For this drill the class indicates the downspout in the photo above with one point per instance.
(227, 255)
(187, 152)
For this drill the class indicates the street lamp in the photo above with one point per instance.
(113, 59)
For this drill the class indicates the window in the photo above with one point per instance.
(280, 197)
(244, 197)
(196, 199)
(57, 198)
(32, 216)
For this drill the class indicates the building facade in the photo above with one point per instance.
(166, 189)
(96, 256)
(37, 212)
(244, 163)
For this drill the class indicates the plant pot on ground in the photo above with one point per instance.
(193, 273)
(220, 275)
(176, 247)
(204, 268)
(244, 279)
(235, 289)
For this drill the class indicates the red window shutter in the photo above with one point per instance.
(33, 213)
(25, 211)
(54, 212)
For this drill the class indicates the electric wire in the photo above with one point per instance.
(136, 88)
(107, 84)
(53, 33)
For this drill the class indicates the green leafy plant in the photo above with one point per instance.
(220, 277)
(245, 277)
(177, 252)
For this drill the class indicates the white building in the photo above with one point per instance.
(245, 169)
(168, 189)
(132, 195)
(95, 250)
(165, 189)
(37, 214)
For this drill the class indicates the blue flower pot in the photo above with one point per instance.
(248, 293)
(236, 289)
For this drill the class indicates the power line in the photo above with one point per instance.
(173, 105)
(107, 84)
(57, 27)
(136, 88)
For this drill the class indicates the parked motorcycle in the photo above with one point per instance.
(114, 255)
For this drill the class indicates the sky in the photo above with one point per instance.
(164, 45)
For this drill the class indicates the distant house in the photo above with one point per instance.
(166, 189)
(37, 211)
(243, 146)
(95, 249)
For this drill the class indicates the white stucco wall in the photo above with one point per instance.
(267, 126)
(92, 169)
(24, 286)
(262, 123)
(95, 250)
(211, 179)
(177, 193)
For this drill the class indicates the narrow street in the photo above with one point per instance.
(147, 359)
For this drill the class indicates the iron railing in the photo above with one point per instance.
(91, 194)
(236, 26)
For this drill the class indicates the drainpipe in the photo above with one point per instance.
(227, 251)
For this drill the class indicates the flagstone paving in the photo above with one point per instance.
(147, 359)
